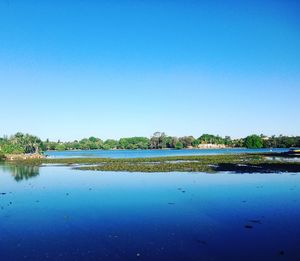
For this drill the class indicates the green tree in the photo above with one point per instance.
(110, 144)
(187, 141)
(210, 139)
(171, 142)
(253, 142)
(93, 139)
(179, 145)
(21, 143)
(133, 143)
(60, 147)
(196, 142)
(158, 140)
(33, 144)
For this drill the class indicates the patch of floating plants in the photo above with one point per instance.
(235, 163)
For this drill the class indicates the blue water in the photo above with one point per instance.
(151, 153)
(56, 213)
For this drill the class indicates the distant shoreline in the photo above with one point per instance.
(21, 143)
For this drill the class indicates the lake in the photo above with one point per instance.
(152, 153)
(57, 213)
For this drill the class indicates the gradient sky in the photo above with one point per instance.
(71, 69)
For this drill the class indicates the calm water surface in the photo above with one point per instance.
(152, 153)
(56, 213)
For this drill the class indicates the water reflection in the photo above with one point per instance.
(159, 216)
(21, 172)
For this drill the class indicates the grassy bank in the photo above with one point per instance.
(240, 163)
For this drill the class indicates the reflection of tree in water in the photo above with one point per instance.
(21, 172)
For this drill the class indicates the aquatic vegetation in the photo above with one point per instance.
(239, 163)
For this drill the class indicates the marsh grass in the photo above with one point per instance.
(240, 163)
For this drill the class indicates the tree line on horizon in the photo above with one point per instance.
(25, 143)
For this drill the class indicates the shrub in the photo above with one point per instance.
(179, 146)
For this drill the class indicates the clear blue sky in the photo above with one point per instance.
(70, 69)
